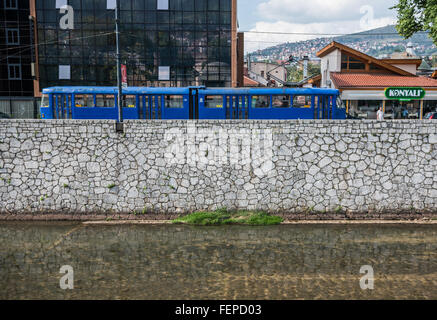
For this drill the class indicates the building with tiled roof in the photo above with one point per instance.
(248, 82)
(363, 80)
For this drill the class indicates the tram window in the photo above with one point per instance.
(129, 101)
(174, 102)
(84, 101)
(45, 101)
(105, 101)
(214, 102)
(302, 102)
(261, 101)
(281, 101)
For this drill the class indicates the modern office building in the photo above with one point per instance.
(16, 52)
(163, 42)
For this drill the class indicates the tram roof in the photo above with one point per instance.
(114, 90)
(185, 90)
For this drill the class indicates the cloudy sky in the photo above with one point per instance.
(309, 16)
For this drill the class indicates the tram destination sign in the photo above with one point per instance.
(405, 94)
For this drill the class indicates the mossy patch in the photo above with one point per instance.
(225, 217)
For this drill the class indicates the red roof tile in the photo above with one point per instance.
(366, 80)
(250, 83)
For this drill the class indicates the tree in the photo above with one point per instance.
(415, 16)
(295, 73)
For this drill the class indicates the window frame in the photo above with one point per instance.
(10, 8)
(127, 99)
(178, 96)
(306, 101)
(261, 95)
(14, 77)
(83, 99)
(282, 106)
(17, 34)
(218, 106)
(256, 99)
(105, 98)
(347, 61)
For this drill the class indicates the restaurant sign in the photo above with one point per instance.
(405, 94)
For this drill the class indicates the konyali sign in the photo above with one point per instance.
(405, 94)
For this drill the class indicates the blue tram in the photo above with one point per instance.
(191, 103)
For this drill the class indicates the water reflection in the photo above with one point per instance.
(178, 262)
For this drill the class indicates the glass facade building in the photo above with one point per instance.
(16, 52)
(163, 42)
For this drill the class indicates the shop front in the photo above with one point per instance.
(364, 104)
(367, 84)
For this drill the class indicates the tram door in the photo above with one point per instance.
(62, 106)
(237, 107)
(150, 107)
(322, 107)
(194, 103)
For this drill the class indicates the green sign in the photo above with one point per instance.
(405, 94)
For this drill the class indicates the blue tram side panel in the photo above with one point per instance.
(142, 103)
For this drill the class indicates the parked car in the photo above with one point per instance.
(4, 116)
(431, 116)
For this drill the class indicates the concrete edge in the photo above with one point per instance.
(303, 222)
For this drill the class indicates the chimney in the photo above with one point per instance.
(305, 67)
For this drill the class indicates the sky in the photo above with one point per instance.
(309, 16)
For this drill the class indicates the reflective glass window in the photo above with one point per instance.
(214, 102)
(174, 102)
(260, 101)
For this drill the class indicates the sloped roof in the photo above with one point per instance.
(372, 80)
(251, 83)
(416, 62)
(425, 66)
(338, 46)
(313, 80)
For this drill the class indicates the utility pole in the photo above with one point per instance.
(120, 92)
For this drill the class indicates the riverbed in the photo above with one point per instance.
(317, 261)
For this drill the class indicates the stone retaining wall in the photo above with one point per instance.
(171, 167)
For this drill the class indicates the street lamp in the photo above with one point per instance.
(117, 36)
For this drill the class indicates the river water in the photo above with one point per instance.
(234, 262)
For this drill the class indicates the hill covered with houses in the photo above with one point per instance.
(379, 43)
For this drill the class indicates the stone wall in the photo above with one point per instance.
(177, 166)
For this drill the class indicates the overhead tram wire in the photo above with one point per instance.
(28, 28)
(361, 33)
(29, 47)
(59, 41)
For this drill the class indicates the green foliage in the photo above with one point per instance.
(111, 186)
(339, 209)
(225, 217)
(295, 73)
(415, 16)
